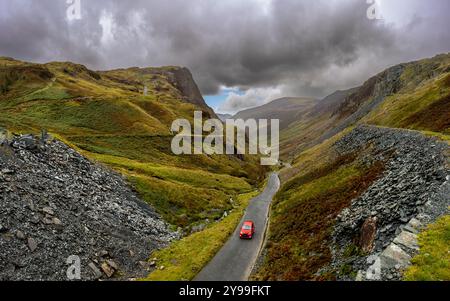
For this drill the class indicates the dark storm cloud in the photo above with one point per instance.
(307, 47)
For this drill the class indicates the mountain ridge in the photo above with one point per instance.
(362, 167)
(108, 117)
(280, 108)
(355, 105)
(343, 108)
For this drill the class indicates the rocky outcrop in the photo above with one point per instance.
(181, 78)
(55, 206)
(361, 101)
(372, 93)
(383, 223)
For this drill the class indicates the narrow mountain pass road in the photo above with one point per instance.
(234, 262)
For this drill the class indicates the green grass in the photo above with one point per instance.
(156, 149)
(425, 108)
(106, 117)
(303, 216)
(86, 117)
(192, 177)
(183, 196)
(300, 134)
(184, 259)
(183, 190)
(433, 262)
(312, 158)
(440, 136)
(181, 205)
(49, 93)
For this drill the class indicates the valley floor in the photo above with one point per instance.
(216, 253)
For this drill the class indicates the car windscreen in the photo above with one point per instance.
(247, 227)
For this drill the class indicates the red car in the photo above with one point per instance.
(248, 230)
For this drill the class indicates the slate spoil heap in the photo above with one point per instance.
(376, 237)
(54, 204)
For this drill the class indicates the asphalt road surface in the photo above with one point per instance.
(236, 259)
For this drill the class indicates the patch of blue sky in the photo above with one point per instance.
(215, 101)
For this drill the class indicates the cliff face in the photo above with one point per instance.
(371, 93)
(182, 78)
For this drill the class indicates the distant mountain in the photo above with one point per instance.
(332, 101)
(224, 117)
(410, 95)
(287, 110)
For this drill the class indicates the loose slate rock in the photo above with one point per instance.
(48, 211)
(109, 271)
(394, 256)
(407, 240)
(32, 245)
(95, 271)
(78, 209)
(20, 235)
(411, 193)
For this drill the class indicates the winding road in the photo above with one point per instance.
(235, 261)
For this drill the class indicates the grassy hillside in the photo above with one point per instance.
(425, 107)
(414, 95)
(305, 209)
(183, 259)
(306, 131)
(108, 117)
(287, 110)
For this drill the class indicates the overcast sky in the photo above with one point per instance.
(246, 52)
